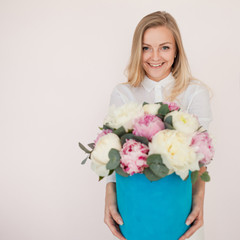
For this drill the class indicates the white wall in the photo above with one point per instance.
(59, 61)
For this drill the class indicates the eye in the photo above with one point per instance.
(145, 48)
(165, 47)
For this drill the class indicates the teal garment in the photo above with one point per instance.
(153, 210)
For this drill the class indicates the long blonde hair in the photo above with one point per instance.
(180, 68)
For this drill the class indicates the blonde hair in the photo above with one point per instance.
(180, 68)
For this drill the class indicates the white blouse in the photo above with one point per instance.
(195, 99)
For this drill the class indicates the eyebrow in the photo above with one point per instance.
(159, 44)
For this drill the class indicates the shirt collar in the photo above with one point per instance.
(149, 84)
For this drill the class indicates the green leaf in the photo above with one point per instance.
(150, 175)
(107, 127)
(145, 103)
(160, 116)
(205, 177)
(100, 178)
(158, 103)
(168, 126)
(110, 172)
(194, 176)
(83, 148)
(84, 161)
(120, 131)
(168, 120)
(136, 138)
(168, 123)
(157, 166)
(163, 110)
(91, 145)
(114, 157)
(120, 171)
(154, 158)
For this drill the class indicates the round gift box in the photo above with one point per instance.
(153, 210)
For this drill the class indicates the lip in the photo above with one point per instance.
(155, 64)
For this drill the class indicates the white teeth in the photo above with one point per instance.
(155, 65)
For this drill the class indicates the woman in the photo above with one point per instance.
(159, 71)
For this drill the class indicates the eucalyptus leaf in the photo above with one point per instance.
(136, 138)
(160, 116)
(159, 170)
(120, 131)
(114, 157)
(205, 177)
(84, 148)
(100, 178)
(150, 175)
(163, 110)
(84, 161)
(120, 171)
(105, 126)
(145, 103)
(168, 120)
(168, 123)
(194, 176)
(110, 172)
(154, 158)
(91, 145)
(168, 126)
(157, 166)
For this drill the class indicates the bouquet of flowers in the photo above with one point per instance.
(153, 139)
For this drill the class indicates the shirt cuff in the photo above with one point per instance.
(111, 178)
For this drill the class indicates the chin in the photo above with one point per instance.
(157, 77)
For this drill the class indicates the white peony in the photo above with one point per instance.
(184, 122)
(99, 169)
(175, 150)
(151, 108)
(123, 115)
(99, 155)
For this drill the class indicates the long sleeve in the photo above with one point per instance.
(117, 101)
(200, 106)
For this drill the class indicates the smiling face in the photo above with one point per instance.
(158, 52)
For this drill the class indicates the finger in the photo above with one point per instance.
(114, 228)
(192, 216)
(119, 231)
(196, 225)
(115, 215)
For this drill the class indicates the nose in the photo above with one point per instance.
(155, 55)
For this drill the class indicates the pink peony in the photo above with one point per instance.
(103, 133)
(203, 144)
(133, 157)
(172, 106)
(147, 126)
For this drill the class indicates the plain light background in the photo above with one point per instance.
(59, 61)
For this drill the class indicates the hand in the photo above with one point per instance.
(112, 217)
(196, 216)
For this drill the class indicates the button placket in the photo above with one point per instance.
(158, 90)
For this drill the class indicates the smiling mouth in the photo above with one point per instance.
(155, 65)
